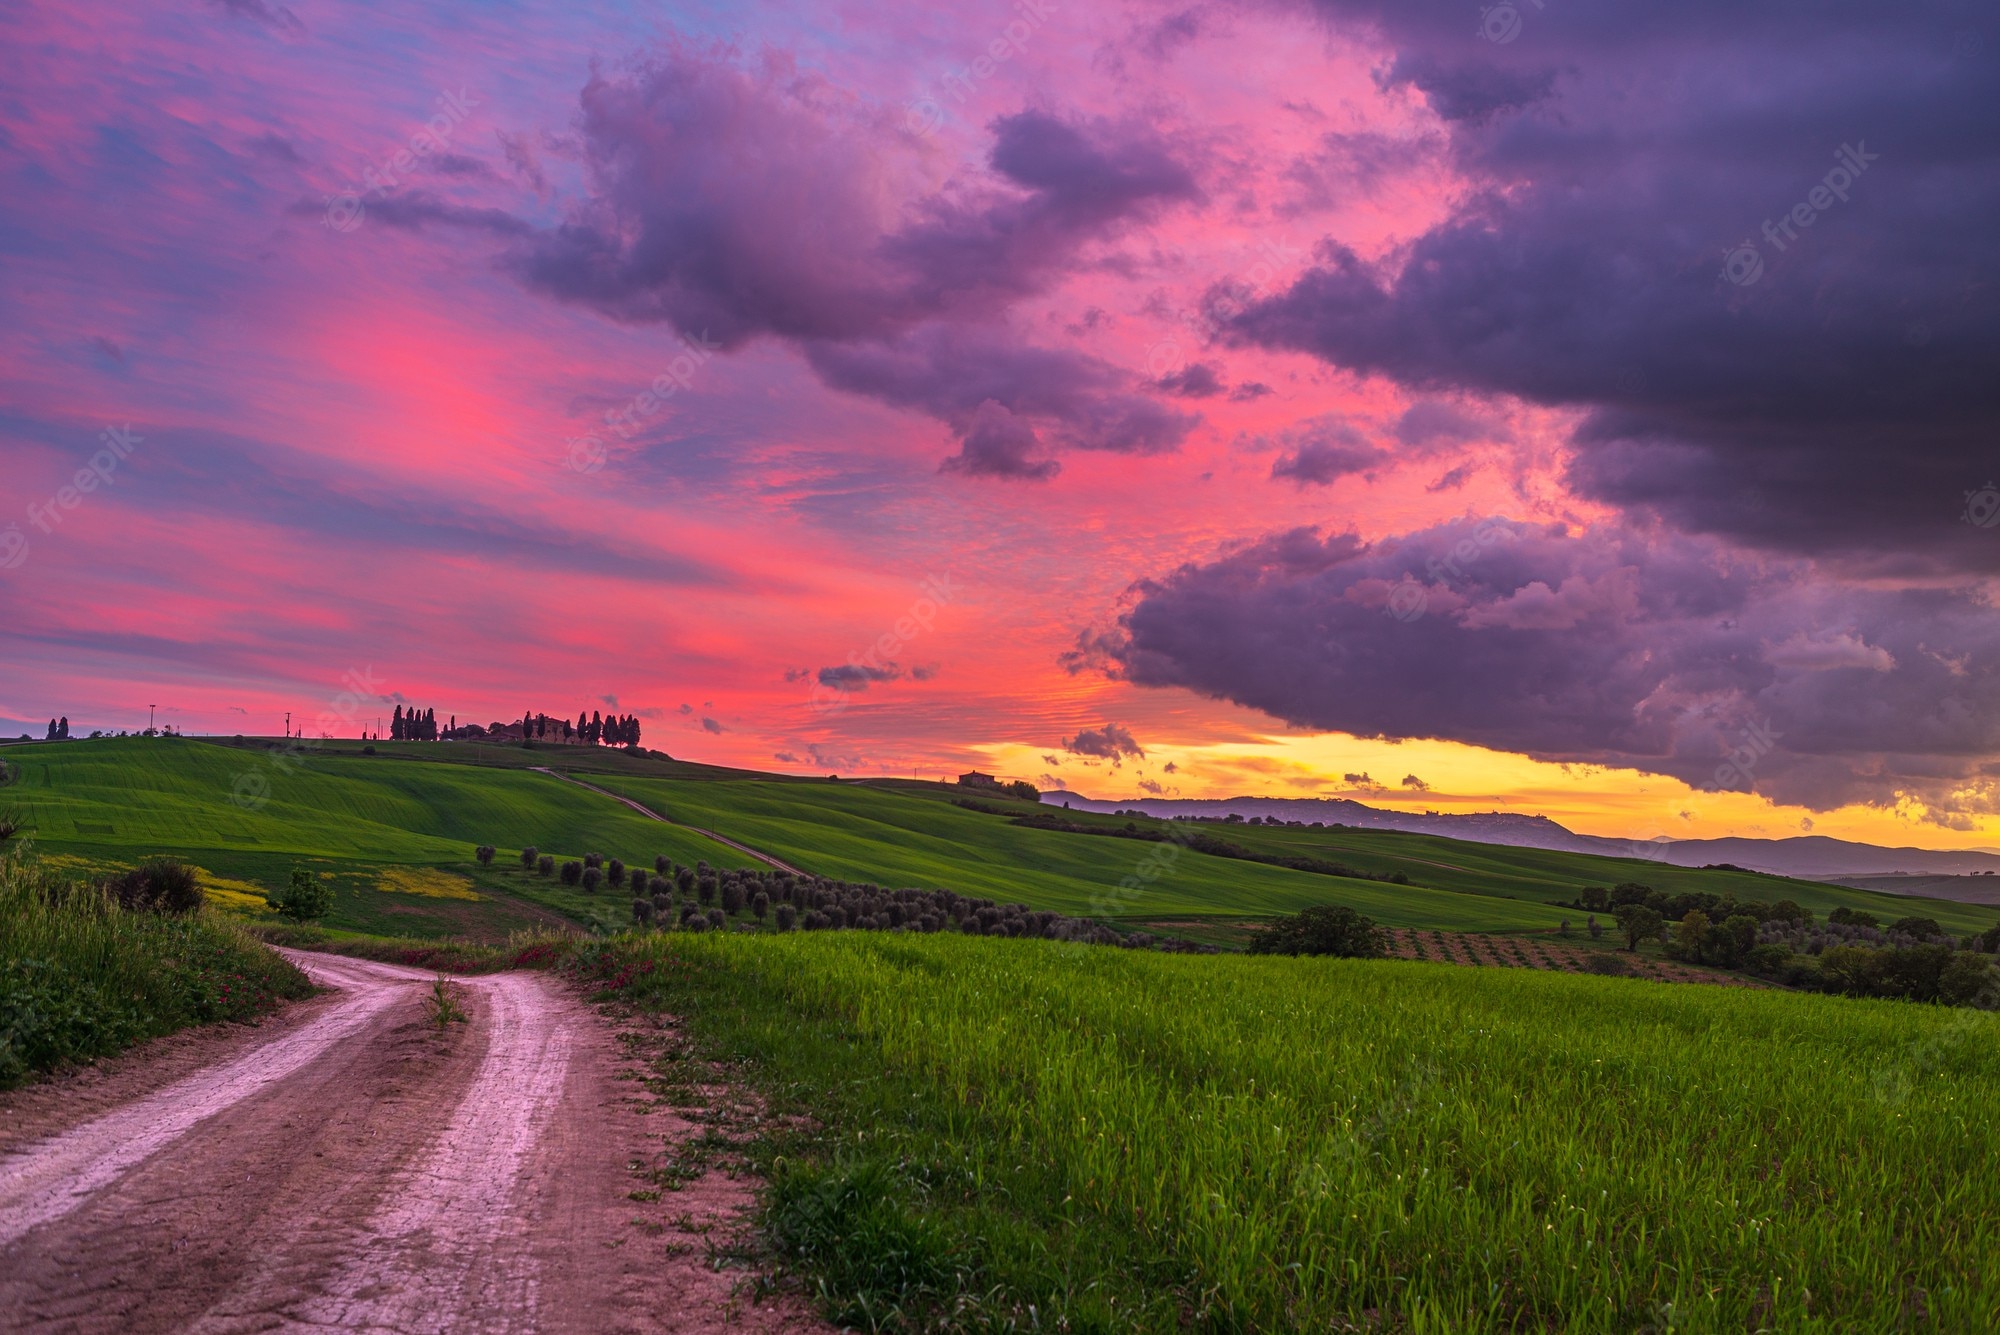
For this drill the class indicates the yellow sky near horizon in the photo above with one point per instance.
(1614, 802)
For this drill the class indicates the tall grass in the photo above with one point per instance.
(81, 977)
(1121, 1141)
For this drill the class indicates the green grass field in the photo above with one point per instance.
(1034, 1136)
(91, 806)
(81, 978)
(354, 816)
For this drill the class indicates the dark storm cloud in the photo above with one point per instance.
(1839, 404)
(738, 204)
(1195, 381)
(1618, 647)
(1324, 451)
(1110, 742)
(856, 676)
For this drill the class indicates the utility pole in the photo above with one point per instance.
(149, 717)
(288, 725)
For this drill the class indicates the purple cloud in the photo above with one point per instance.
(739, 203)
(1835, 399)
(1606, 646)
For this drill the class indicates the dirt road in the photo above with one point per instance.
(348, 1167)
(651, 814)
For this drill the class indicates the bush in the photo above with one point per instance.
(305, 899)
(1968, 980)
(161, 885)
(786, 916)
(546, 865)
(1767, 960)
(642, 911)
(663, 864)
(592, 877)
(485, 854)
(1608, 965)
(572, 872)
(614, 872)
(528, 856)
(1326, 929)
(81, 978)
(760, 904)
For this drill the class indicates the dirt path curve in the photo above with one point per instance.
(357, 1170)
(651, 814)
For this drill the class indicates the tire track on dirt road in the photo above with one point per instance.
(451, 1249)
(62, 1174)
(366, 1171)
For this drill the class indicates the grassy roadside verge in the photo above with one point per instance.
(523, 950)
(1006, 1135)
(81, 978)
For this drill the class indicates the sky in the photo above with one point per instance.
(1578, 409)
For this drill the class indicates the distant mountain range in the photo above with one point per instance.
(1809, 857)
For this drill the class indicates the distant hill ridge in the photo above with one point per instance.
(1815, 857)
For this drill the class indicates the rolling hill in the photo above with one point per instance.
(356, 816)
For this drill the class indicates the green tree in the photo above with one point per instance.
(485, 854)
(1731, 943)
(1691, 935)
(1326, 929)
(1639, 923)
(306, 899)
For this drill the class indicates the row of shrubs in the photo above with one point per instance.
(1674, 907)
(704, 898)
(1912, 958)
